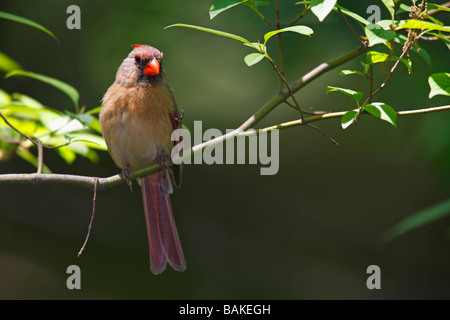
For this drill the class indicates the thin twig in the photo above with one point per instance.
(280, 45)
(40, 156)
(305, 112)
(299, 17)
(92, 218)
(350, 27)
(323, 133)
(371, 83)
(17, 130)
(388, 76)
(291, 94)
(262, 17)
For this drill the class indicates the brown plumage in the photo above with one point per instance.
(138, 116)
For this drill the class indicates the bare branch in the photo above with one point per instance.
(92, 218)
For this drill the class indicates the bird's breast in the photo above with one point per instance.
(136, 124)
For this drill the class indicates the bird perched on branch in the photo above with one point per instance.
(138, 117)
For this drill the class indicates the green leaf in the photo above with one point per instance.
(348, 118)
(92, 156)
(434, 20)
(348, 72)
(83, 150)
(95, 125)
(352, 15)
(439, 84)
(365, 66)
(89, 139)
(5, 98)
(378, 57)
(321, 8)
(21, 112)
(355, 95)
(390, 6)
(403, 8)
(220, 33)
(53, 121)
(383, 112)
(420, 24)
(95, 110)
(375, 34)
(433, 6)
(221, 6)
(70, 91)
(387, 23)
(417, 220)
(298, 29)
(253, 58)
(224, 5)
(67, 154)
(27, 22)
(7, 64)
(84, 118)
(27, 101)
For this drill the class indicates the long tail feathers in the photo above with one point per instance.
(163, 240)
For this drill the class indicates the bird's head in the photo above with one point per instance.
(143, 66)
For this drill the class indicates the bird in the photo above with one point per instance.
(137, 118)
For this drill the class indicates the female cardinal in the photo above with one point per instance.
(138, 117)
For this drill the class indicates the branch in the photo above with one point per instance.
(73, 180)
(299, 84)
(105, 183)
(341, 113)
(283, 96)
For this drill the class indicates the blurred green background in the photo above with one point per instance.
(309, 232)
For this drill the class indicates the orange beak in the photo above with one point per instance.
(152, 68)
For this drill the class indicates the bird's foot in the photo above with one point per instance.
(126, 175)
(179, 118)
(163, 161)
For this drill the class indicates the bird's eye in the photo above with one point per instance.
(137, 59)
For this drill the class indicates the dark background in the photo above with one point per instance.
(309, 232)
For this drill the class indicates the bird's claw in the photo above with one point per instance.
(179, 118)
(126, 173)
(163, 161)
